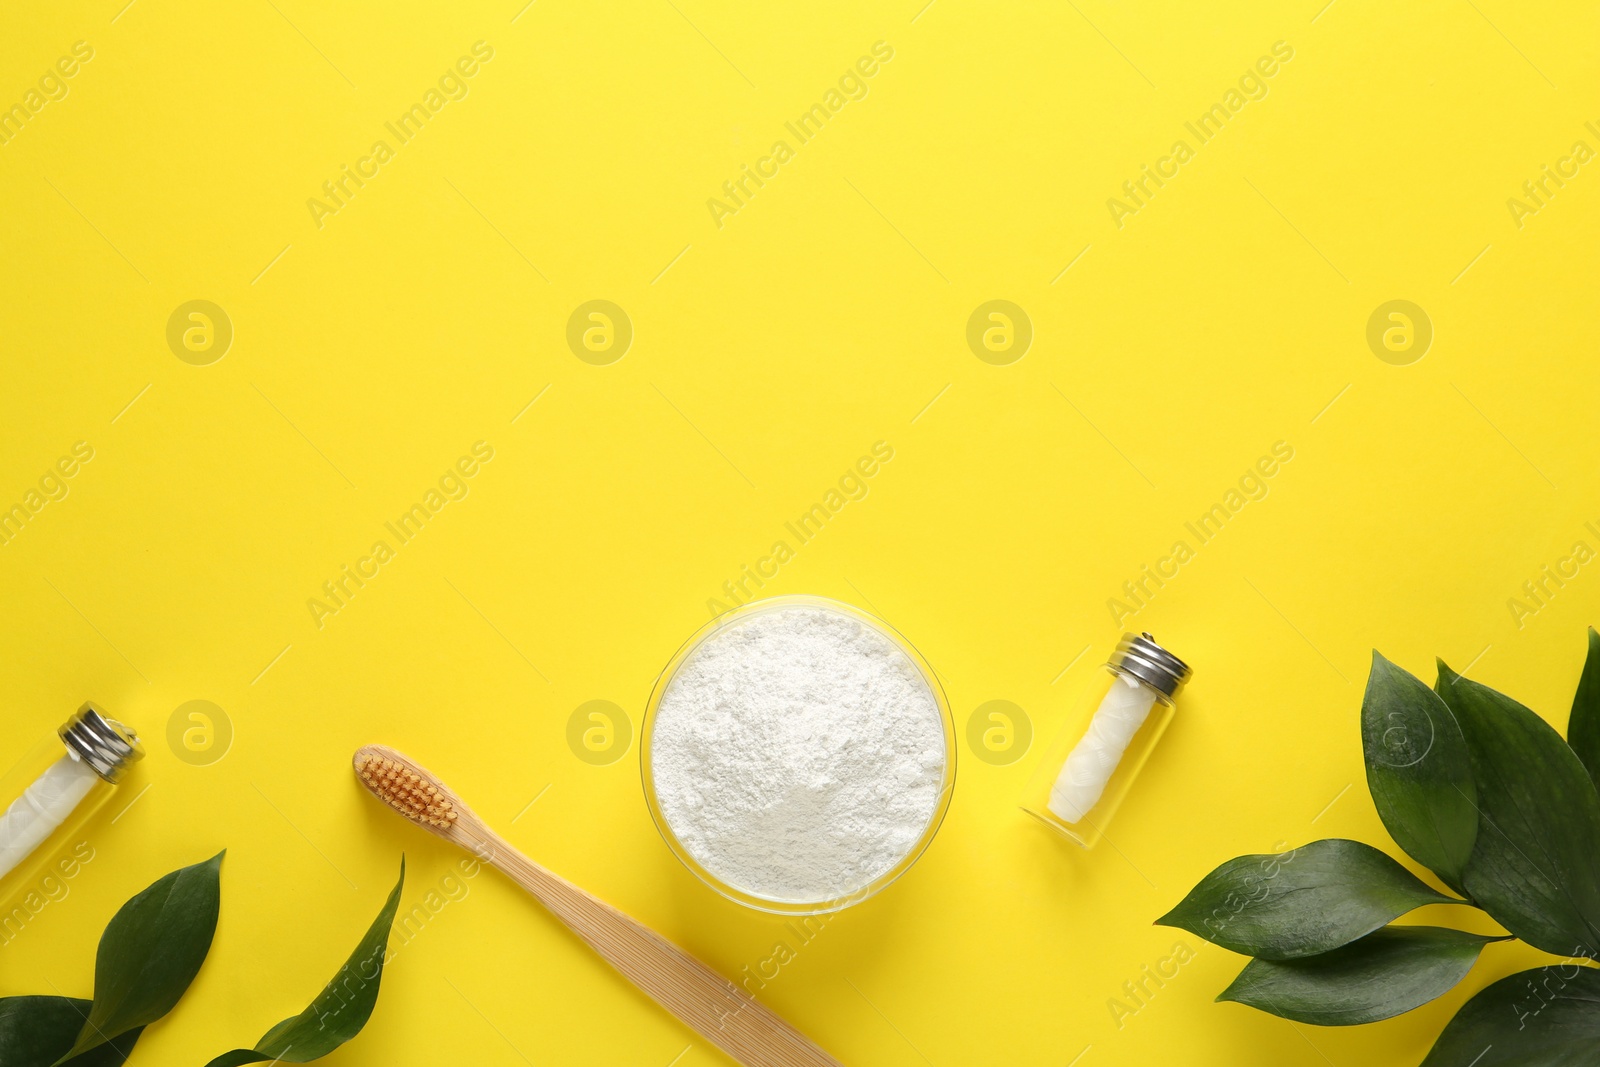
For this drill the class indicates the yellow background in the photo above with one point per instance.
(769, 354)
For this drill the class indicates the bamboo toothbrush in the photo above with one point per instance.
(712, 1006)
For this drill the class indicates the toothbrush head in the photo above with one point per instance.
(406, 788)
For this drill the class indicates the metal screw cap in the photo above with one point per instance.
(1138, 656)
(105, 744)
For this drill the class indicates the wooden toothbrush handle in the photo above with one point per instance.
(712, 1006)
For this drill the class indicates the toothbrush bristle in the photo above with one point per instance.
(406, 791)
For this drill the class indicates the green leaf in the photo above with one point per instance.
(1536, 864)
(1300, 903)
(1546, 1017)
(37, 1031)
(1388, 972)
(1583, 728)
(1418, 770)
(340, 1010)
(150, 952)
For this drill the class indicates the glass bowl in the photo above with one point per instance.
(746, 897)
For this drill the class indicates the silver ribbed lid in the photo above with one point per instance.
(1138, 656)
(105, 744)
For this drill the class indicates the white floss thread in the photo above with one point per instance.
(798, 754)
(41, 808)
(1095, 757)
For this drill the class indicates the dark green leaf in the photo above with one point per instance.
(1388, 972)
(111, 1054)
(1583, 728)
(237, 1058)
(1300, 903)
(1536, 864)
(1546, 1017)
(150, 952)
(38, 1031)
(340, 1010)
(1418, 770)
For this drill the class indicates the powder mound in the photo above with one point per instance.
(798, 754)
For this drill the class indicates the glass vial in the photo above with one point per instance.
(1083, 777)
(53, 790)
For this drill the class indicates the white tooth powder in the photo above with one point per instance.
(798, 754)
